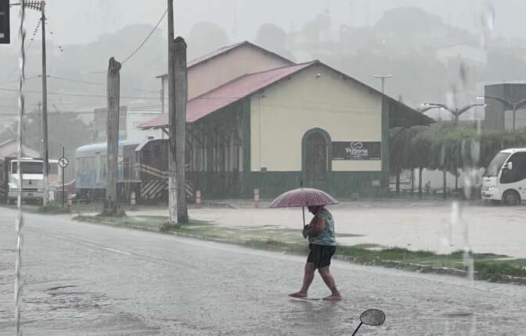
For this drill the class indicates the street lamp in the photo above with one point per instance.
(508, 105)
(456, 112)
(383, 78)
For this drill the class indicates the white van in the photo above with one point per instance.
(505, 179)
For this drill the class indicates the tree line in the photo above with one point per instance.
(451, 147)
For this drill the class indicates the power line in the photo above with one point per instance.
(26, 79)
(92, 83)
(147, 38)
(140, 46)
(49, 113)
(26, 51)
(77, 94)
(75, 80)
(133, 109)
(51, 32)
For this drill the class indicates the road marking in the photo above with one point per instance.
(116, 251)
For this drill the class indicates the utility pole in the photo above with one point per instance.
(181, 98)
(44, 106)
(172, 175)
(162, 102)
(39, 105)
(383, 78)
(112, 135)
(41, 6)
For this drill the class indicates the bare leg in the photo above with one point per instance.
(307, 280)
(329, 281)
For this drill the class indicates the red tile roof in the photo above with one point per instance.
(247, 85)
(229, 93)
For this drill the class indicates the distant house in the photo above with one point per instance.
(129, 120)
(272, 129)
(9, 148)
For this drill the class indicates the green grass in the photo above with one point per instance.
(488, 266)
(52, 209)
(94, 207)
(148, 223)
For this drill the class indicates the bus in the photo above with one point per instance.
(505, 178)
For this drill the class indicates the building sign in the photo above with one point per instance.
(356, 150)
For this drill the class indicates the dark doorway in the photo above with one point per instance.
(316, 158)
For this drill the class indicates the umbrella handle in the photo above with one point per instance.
(303, 211)
(354, 333)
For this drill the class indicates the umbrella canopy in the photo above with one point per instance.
(303, 197)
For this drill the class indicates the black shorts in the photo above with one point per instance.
(320, 255)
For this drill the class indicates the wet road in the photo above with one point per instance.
(83, 279)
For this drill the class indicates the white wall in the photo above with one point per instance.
(135, 119)
(282, 115)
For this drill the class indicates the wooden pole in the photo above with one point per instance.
(412, 181)
(444, 172)
(181, 98)
(45, 153)
(172, 177)
(398, 172)
(63, 188)
(112, 134)
(420, 182)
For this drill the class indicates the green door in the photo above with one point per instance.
(315, 161)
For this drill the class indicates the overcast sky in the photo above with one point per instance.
(80, 21)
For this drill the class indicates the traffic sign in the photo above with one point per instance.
(5, 34)
(63, 162)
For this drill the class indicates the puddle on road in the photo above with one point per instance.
(62, 301)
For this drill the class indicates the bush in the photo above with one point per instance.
(167, 227)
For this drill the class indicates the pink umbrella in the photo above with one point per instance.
(303, 197)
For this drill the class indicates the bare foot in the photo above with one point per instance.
(298, 295)
(333, 297)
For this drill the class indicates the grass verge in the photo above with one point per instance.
(52, 209)
(149, 223)
(490, 267)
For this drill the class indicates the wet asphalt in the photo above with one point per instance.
(85, 279)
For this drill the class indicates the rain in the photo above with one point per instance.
(239, 167)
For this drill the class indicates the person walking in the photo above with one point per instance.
(322, 246)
